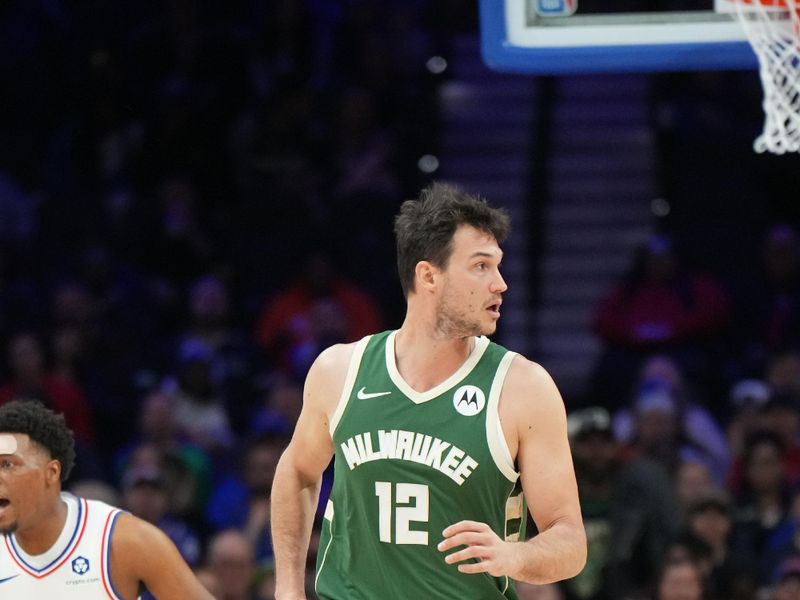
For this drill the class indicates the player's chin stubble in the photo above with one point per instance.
(453, 325)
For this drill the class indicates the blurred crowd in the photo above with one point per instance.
(686, 448)
(194, 201)
(184, 188)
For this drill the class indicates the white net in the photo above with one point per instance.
(773, 28)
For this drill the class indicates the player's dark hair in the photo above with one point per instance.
(43, 427)
(424, 227)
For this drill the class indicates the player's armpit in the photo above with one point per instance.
(141, 554)
(311, 448)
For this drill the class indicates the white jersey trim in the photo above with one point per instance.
(108, 533)
(498, 447)
(349, 381)
(329, 518)
(68, 540)
(481, 343)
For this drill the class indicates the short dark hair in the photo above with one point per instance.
(42, 426)
(424, 227)
(758, 438)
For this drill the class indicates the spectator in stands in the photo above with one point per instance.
(101, 329)
(67, 347)
(660, 433)
(710, 519)
(629, 511)
(158, 431)
(281, 408)
(763, 502)
(769, 304)
(96, 345)
(680, 580)
(230, 559)
(787, 580)
(660, 307)
(182, 496)
(783, 372)
(178, 251)
(662, 389)
(687, 547)
(780, 415)
(784, 543)
(693, 480)
(145, 493)
(230, 351)
(242, 500)
(319, 308)
(200, 409)
(597, 462)
(30, 378)
(746, 399)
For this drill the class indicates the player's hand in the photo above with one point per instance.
(495, 556)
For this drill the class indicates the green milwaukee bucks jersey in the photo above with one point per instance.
(407, 465)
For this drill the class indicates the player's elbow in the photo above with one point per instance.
(558, 553)
(578, 555)
(579, 563)
(573, 552)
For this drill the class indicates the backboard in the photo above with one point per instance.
(552, 37)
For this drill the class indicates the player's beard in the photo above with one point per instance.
(453, 322)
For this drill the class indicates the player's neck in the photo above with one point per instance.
(40, 537)
(425, 359)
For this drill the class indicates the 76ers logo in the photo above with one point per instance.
(80, 565)
(469, 400)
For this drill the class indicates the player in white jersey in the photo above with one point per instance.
(55, 545)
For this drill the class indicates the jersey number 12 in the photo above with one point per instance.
(410, 503)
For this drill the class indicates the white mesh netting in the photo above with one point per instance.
(774, 33)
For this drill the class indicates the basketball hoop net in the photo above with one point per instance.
(773, 29)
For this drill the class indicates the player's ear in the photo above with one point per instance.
(53, 472)
(426, 275)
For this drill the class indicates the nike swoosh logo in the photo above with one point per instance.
(362, 394)
(8, 578)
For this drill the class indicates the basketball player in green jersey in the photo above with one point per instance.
(438, 436)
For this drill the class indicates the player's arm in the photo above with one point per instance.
(295, 490)
(532, 406)
(143, 554)
(548, 478)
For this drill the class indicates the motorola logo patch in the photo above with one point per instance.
(469, 400)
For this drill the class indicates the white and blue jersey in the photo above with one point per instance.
(76, 567)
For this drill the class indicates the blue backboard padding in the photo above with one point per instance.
(500, 55)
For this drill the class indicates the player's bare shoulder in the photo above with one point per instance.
(529, 393)
(334, 359)
(326, 377)
(142, 554)
(133, 544)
